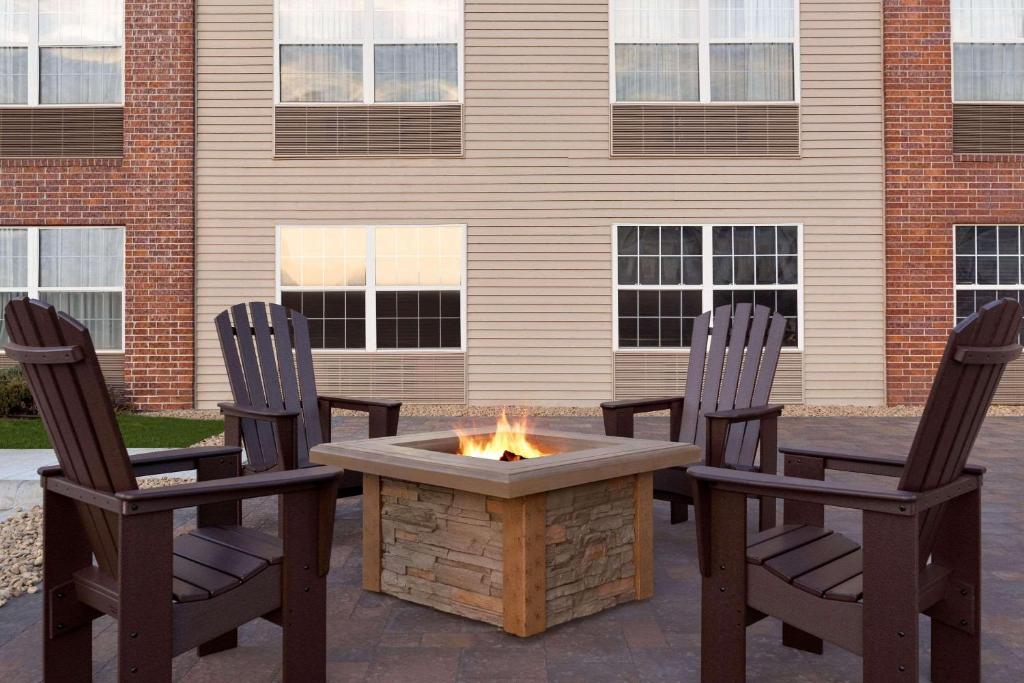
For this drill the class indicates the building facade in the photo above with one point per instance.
(96, 166)
(954, 82)
(528, 203)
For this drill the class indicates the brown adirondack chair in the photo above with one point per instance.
(168, 594)
(727, 384)
(269, 360)
(922, 538)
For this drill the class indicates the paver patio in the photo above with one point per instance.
(379, 638)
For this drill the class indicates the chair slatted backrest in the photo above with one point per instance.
(977, 353)
(57, 356)
(269, 360)
(736, 370)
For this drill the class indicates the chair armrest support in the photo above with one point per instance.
(885, 465)
(179, 460)
(222, 490)
(383, 415)
(618, 415)
(286, 430)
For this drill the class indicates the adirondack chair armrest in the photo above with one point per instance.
(643, 405)
(383, 414)
(863, 463)
(746, 414)
(286, 429)
(618, 415)
(264, 414)
(141, 501)
(179, 460)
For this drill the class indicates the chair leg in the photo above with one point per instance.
(304, 591)
(383, 421)
(956, 649)
(225, 641)
(679, 511)
(890, 597)
(795, 512)
(723, 631)
(67, 648)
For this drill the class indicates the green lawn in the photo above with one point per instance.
(140, 431)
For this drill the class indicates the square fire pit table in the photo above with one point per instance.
(523, 545)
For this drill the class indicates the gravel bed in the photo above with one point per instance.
(21, 546)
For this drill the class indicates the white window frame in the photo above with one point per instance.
(34, 76)
(707, 289)
(371, 288)
(33, 287)
(368, 73)
(704, 43)
(1019, 287)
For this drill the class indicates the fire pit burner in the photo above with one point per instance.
(526, 544)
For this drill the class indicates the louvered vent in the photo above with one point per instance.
(642, 375)
(369, 131)
(656, 130)
(1011, 386)
(988, 128)
(112, 365)
(48, 132)
(410, 377)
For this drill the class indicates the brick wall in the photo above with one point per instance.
(928, 190)
(149, 192)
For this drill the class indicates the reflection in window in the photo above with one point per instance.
(988, 53)
(989, 265)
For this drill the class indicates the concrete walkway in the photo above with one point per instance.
(375, 637)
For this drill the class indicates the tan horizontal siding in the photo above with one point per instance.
(538, 191)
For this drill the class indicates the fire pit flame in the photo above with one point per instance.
(509, 443)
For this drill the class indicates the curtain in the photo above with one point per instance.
(321, 73)
(81, 257)
(323, 257)
(988, 72)
(13, 75)
(416, 52)
(321, 22)
(13, 257)
(415, 21)
(81, 22)
(656, 21)
(752, 20)
(656, 73)
(427, 256)
(80, 75)
(14, 22)
(99, 311)
(987, 20)
(757, 72)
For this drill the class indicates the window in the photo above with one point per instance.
(988, 50)
(365, 51)
(989, 264)
(667, 275)
(78, 270)
(704, 50)
(368, 287)
(61, 52)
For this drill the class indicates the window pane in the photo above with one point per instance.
(627, 240)
(5, 298)
(752, 19)
(782, 301)
(14, 23)
(13, 75)
(13, 257)
(416, 73)
(321, 73)
(337, 320)
(429, 255)
(99, 311)
(81, 22)
(657, 318)
(424, 320)
(320, 22)
(752, 73)
(988, 72)
(323, 257)
(656, 21)
(80, 75)
(987, 20)
(81, 257)
(656, 73)
(416, 21)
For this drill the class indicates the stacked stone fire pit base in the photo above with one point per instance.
(568, 553)
(522, 545)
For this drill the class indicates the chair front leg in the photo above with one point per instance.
(144, 623)
(618, 422)
(723, 631)
(956, 646)
(67, 646)
(890, 597)
(304, 590)
(383, 421)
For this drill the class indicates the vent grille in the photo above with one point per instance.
(410, 377)
(988, 128)
(45, 132)
(705, 130)
(1011, 386)
(368, 131)
(641, 375)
